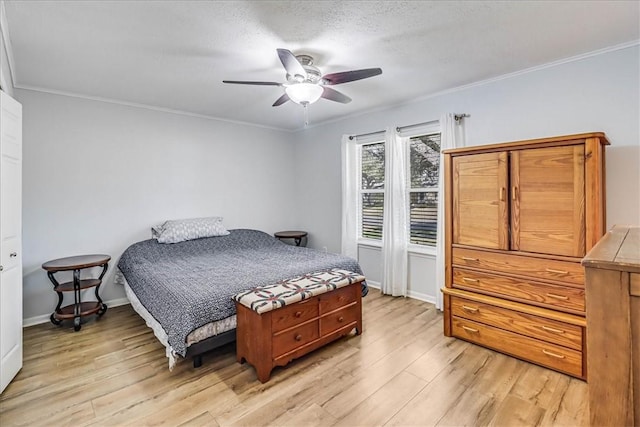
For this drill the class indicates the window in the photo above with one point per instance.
(424, 166)
(371, 198)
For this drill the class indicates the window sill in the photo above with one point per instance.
(412, 249)
(370, 243)
(429, 251)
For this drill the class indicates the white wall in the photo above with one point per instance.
(596, 93)
(97, 175)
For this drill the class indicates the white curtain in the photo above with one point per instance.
(349, 197)
(395, 228)
(451, 136)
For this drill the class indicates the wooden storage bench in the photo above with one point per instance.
(284, 321)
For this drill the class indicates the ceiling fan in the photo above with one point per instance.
(305, 83)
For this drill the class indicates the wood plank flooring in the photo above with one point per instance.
(401, 371)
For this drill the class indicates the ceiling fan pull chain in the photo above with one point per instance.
(306, 114)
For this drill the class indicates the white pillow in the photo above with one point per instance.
(156, 230)
(181, 230)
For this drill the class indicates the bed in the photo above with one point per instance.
(183, 290)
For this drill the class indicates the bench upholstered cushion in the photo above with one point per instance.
(290, 291)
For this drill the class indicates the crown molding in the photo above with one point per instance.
(145, 107)
(552, 64)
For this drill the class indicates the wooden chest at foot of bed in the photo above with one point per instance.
(276, 337)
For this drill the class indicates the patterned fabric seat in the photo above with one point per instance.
(290, 291)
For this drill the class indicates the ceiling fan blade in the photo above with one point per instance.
(334, 95)
(236, 82)
(349, 76)
(291, 64)
(284, 98)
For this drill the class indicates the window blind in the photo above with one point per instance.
(372, 190)
(424, 168)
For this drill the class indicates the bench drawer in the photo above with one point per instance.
(551, 356)
(338, 319)
(536, 268)
(562, 298)
(338, 298)
(552, 331)
(295, 314)
(290, 339)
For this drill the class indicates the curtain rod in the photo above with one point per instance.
(457, 118)
(364, 134)
(401, 128)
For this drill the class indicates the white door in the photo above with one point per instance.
(10, 239)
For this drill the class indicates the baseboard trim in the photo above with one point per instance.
(372, 284)
(38, 320)
(422, 297)
(410, 294)
(44, 318)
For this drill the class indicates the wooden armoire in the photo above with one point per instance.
(519, 217)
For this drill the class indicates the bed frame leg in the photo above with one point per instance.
(197, 361)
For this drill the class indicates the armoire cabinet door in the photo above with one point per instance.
(480, 211)
(547, 200)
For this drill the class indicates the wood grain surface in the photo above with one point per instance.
(401, 371)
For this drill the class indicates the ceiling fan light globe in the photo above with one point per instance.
(304, 93)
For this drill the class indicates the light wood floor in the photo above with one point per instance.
(401, 371)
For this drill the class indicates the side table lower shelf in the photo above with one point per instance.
(78, 309)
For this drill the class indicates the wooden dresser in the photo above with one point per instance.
(612, 270)
(519, 217)
(277, 337)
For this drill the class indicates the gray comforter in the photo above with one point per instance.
(189, 284)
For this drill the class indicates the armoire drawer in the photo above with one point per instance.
(552, 331)
(554, 296)
(536, 268)
(536, 351)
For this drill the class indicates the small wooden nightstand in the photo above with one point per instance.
(78, 309)
(297, 236)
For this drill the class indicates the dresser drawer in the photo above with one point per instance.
(552, 331)
(338, 298)
(290, 339)
(338, 319)
(558, 297)
(537, 268)
(536, 351)
(295, 314)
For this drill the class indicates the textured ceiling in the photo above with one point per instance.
(175, 54)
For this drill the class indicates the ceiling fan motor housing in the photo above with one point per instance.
(313, 72)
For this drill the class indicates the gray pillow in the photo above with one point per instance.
(181, 230)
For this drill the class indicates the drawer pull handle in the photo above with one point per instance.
(549, 353)
(469, 309)
(554, 330)
(298, 313)
(298, 337)
(468, 329)
(13, 254)
(466, 258)
(551, 270)
(340, 319)
(560, 297)
(467, 279)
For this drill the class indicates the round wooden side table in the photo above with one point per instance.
(78, 309)
(297, 236)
